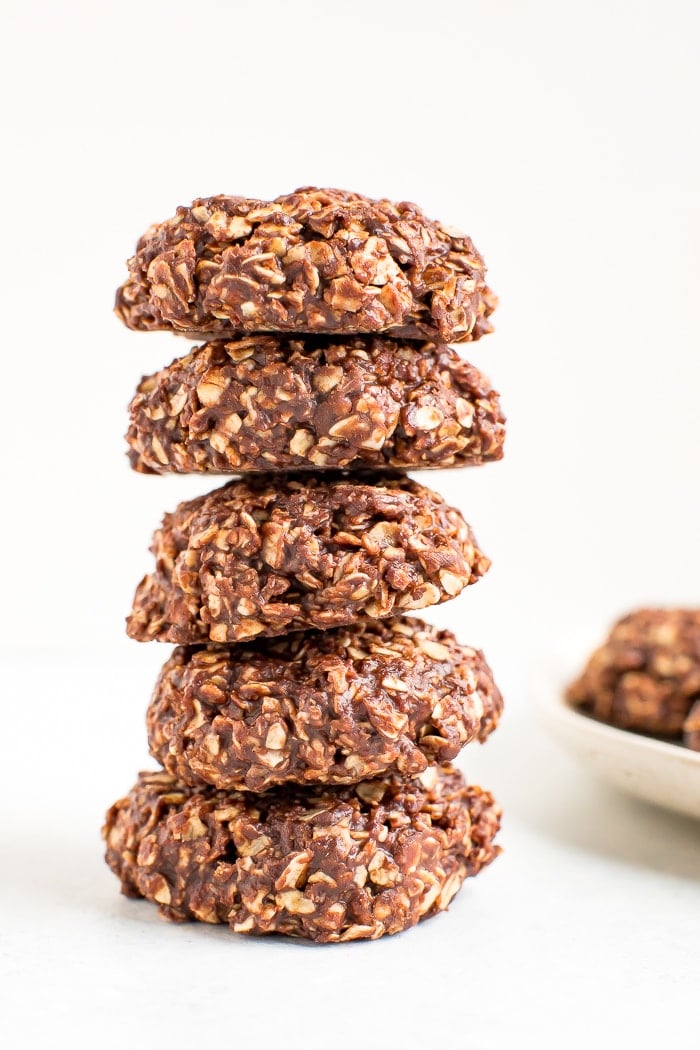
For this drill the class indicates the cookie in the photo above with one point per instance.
(691, 728)
(267, 402)
(327, 864)
(646, 676)
(316, 260)
(269, 555)
(330, 707)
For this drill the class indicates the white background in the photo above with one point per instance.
(563, 137)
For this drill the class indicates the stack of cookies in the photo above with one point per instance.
(305, 723)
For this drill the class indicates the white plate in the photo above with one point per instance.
(667, 775)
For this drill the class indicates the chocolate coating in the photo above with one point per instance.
(328, 864)
(332, 707)
(265, 556)
(265, 402)
(691, 728)
(317, 260)
(646, 675)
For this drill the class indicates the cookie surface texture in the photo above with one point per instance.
(325, 864)
(646, 675)
(269, 555)
(316, 260)
(264, 402)
(330, 707)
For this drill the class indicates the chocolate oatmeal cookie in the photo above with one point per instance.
(691, 727)
(269, 555)
(646, 676)
(268, 402)
(328, 864)
(317, 260)
(332, 707)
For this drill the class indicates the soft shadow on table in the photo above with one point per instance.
(551, 792)
(54, 874)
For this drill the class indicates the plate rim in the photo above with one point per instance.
(554, 701)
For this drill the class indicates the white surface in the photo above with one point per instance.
(591, 913)
(561, 136)
(564, 138)
(656, 771)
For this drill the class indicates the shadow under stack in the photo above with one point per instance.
(306, 720)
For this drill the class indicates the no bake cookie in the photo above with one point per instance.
(691, 727)
(328, 864)
(316, 260)
(268, 402)
(646, 676)
(331, 707)
(269, 555)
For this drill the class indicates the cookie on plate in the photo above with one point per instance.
(332, 707)
(327, 864)
(269, 555)
(646, 675)
(691, 728)
(316, 260)
(270, 402)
